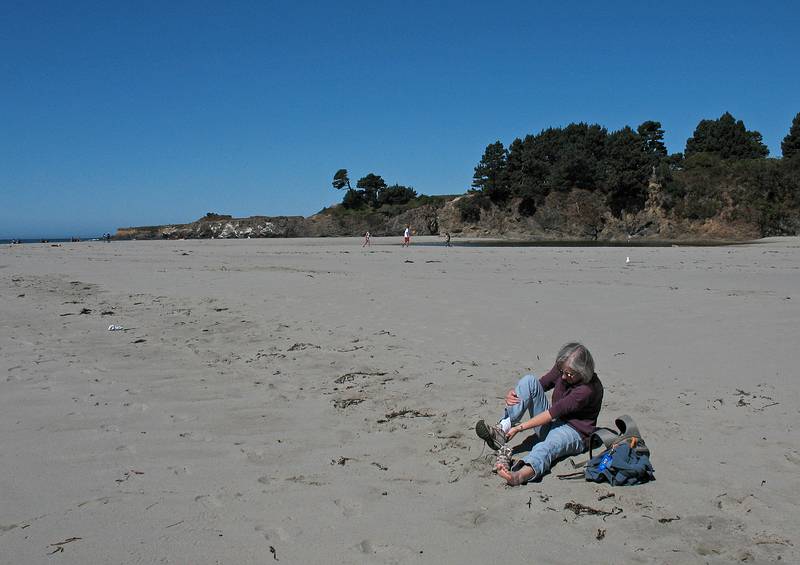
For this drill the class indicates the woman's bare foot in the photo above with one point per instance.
(516, 478)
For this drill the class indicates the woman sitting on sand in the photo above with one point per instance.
(563, 426)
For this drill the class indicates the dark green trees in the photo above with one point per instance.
(395, 194)
(652, 140)
(371, 190)
(490, 174)
(726, 138)
(370, 185)
(577, 173)
(341, 180)
(577, 157)
(628, 163)
(790, 146)
(353, 199)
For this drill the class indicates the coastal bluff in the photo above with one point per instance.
(222, 228)
(562, 218)
(331, 222)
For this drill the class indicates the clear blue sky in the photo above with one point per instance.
(133, 113)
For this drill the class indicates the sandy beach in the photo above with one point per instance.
(312, 401)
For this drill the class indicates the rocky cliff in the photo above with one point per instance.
(574, 215)
(334, 222)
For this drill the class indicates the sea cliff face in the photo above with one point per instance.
(256, 226)
(557, 219)
(331, 224)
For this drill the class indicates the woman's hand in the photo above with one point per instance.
(512, 398)
(513, 431)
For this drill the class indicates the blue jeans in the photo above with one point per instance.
(556, 440)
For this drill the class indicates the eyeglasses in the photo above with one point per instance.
(568, 373)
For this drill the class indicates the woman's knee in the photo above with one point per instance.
(567, 441)
(529, 386)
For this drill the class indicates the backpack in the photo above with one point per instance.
(620, 465)
(625, 460)
(628, 430)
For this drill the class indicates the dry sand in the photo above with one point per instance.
(309, 401)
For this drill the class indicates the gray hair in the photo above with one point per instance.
(578, 358)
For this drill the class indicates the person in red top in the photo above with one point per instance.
(564, 426)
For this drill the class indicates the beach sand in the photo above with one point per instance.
(310, 401)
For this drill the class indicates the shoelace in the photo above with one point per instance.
(504, 457)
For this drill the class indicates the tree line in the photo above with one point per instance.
(724, 167)
(596, 174)
(371, 191)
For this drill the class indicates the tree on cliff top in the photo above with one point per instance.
(490, 174)
(727, 138)
(652, 138)
(370, 185)
(790, 146)
(341, 180)
(395, 194)
(627, 167)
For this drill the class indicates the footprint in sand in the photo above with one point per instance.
(255, 456)
(348, 508)
(214, 501)
(180, 470)
(96, 501)
(471, 518)
(385, 552)
(208, 501)
(273, 534)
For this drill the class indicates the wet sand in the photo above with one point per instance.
(310, 401)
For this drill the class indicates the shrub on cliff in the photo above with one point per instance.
(470, 207)
(214, 217)
(585, 212)
(527, 206)
(395, 194)
(353, 200)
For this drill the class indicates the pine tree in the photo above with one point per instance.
(790, 146)
(727, 138)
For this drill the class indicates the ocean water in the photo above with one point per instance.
(46, 240)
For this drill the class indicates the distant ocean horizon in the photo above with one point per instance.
(47, 240)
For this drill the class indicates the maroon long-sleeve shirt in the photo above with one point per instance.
(578, 405)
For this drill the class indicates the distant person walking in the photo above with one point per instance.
(407, 237)
(447, 239)
(366, 240)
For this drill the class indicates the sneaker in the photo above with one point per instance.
(494, 436)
